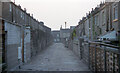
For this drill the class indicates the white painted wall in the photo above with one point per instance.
(27, 50)
(13, 33)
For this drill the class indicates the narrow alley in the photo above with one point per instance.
(59, 35)
(55, 58)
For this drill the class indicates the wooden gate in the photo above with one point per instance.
(104, 57)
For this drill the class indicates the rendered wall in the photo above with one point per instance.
(13, 39)
(27, 50)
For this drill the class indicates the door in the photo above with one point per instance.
(4, 50)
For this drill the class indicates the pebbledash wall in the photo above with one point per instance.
(25, 37)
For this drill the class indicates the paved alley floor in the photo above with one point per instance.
(55, 58)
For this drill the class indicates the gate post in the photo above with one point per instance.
(95, 59)
(89, 54)
(105, 67)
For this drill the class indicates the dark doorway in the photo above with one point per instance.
(4, 47)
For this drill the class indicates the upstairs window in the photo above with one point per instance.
(96, 20)
(57, 35)
(10, 8)
(17, 11)
(21, 14)
(103, 18)
(115, 11)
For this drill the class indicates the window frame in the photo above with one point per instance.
(103, 17)
(115, 12)
(10, 7)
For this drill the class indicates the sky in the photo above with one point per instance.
(55, 13)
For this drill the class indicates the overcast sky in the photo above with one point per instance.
(55, 13)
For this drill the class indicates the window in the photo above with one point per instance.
(103, 17)
(96, 20)
(21, 14)
(66, 39)
(115, 15)
(17, 11)
(54, 40)
(89, 22)
(57, 35)
(10, 8)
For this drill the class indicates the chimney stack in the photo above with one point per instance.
(61, 27)
(19, 6)
(32, 15)
(92, 9)
(25, 9)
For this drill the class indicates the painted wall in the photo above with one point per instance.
(27, 50)
(36, 38)
(13, 42)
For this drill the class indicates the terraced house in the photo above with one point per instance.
(100, 28)
(102, 23)
(22, 35)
